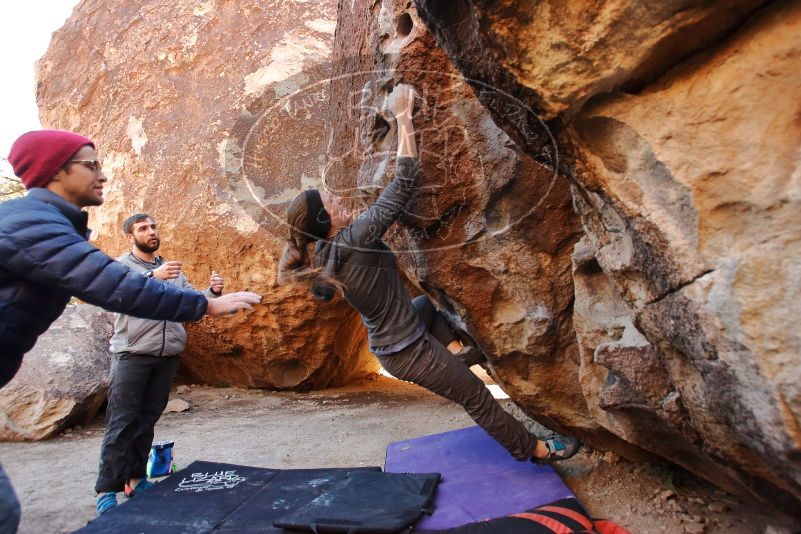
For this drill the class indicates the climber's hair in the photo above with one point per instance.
(127, 225)
(295, 266)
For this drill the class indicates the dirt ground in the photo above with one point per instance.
(352, 427)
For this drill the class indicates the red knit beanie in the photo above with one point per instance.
(38, 156)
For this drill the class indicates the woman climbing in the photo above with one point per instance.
(351, 257)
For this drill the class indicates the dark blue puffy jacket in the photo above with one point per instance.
(45, 259)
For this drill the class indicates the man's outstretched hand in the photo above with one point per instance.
(232, 303)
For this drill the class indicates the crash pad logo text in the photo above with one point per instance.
(200, 482)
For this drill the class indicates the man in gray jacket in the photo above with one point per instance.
(145, 359)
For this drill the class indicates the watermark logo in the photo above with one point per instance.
(323, 130)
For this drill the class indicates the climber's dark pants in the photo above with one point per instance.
(428, 363)
(140, 388)
(434, 322)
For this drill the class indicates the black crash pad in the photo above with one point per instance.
(221, 498)
(372, 502)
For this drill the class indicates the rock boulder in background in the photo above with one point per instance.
(63, 380)
(179, 97)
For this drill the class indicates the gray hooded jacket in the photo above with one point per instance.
(145, 336)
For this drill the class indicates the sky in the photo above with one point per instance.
(25, 30)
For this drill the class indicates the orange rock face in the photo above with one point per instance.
(178, 97)
(678, 126)
(490, 233)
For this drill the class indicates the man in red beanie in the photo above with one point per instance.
(46, 258)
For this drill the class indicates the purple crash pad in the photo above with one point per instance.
(480, 480)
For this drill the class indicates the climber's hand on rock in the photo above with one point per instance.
(400, 102)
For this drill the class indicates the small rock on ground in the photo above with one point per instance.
(176, 405)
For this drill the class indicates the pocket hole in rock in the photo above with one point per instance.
(404, 25)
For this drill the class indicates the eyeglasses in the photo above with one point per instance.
(93, 165)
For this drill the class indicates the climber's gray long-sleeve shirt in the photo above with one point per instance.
(366, 266)
(359, 259)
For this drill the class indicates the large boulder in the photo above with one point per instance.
(63, 380)
(678, 126)
(186, 102)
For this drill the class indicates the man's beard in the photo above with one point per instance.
(147, 248)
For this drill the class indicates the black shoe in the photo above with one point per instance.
(471, 355)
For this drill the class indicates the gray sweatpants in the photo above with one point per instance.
(140, 388)
(428, 363)
(9, 505)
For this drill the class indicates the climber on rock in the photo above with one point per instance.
(351, 258)
(46, 259)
